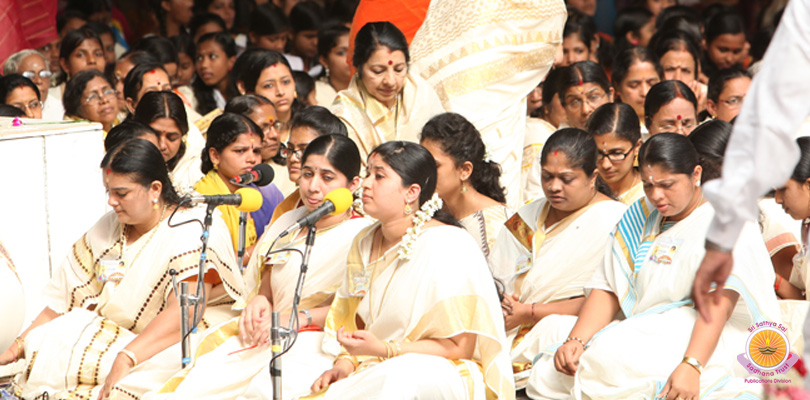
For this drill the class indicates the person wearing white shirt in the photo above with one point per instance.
(762, 151)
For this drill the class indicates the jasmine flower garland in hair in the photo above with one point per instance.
(425, 214)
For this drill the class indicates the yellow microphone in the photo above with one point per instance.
(341, 198)
(245, 199)
(335, 202)
(251, 199)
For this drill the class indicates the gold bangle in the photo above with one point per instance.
(694, 363)
(397, 348)
(345, 356)
(388, 350)
(20, 347)
(131, 356)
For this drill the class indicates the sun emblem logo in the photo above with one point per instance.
(768, 348)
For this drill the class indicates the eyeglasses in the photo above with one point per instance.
(94, 97)
(288, 150)
(734, 101)
(615, 157)
(593, 98)
(274, 123)
(44, 74)
(683, 125)
(33, 105)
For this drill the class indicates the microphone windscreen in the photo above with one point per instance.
(266, 174)
(251, 199)
(341, 198)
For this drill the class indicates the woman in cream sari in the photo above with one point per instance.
(661, 348)
(551, 247)
(468, 180)
(164, 112)
(384, 102)
(417, 313)
(222, 369)
(112, 324)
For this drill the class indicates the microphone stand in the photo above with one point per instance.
(278, 333)
(240, 253)
(195, 300)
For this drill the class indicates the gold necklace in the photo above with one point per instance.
(125, 230)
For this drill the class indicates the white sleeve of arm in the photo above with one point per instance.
(762, 151)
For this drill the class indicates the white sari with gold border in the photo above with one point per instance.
(370, 123)
(651, 272)
(483, 59)
(71, 355)
(444, 290)
(218, 374)
(549, 264)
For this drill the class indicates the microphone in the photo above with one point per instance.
(261, 175)
(245, 199)
(335, 202)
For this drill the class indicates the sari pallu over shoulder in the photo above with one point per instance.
(447, 293)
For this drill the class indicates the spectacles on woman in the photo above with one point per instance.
(593, 98)
(733, 102)
(289, 149)
(33, 105)
(95, 97)
(614, 155)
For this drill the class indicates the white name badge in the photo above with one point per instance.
(665, 249)
(523, 264)
(360, 283)
(111, 270)
(278, 258)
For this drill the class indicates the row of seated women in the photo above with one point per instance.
(407, 304)
(356, 292)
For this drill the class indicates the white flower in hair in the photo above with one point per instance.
(425, 214)
(487, 156)
(357, 204)
(487, 153)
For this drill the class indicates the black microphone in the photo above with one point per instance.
(335, 202)
(245, 199)
(261, 175)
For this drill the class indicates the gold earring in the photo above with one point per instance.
(408, 209)
(463, 188)
(295, 94)
(154, 204)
